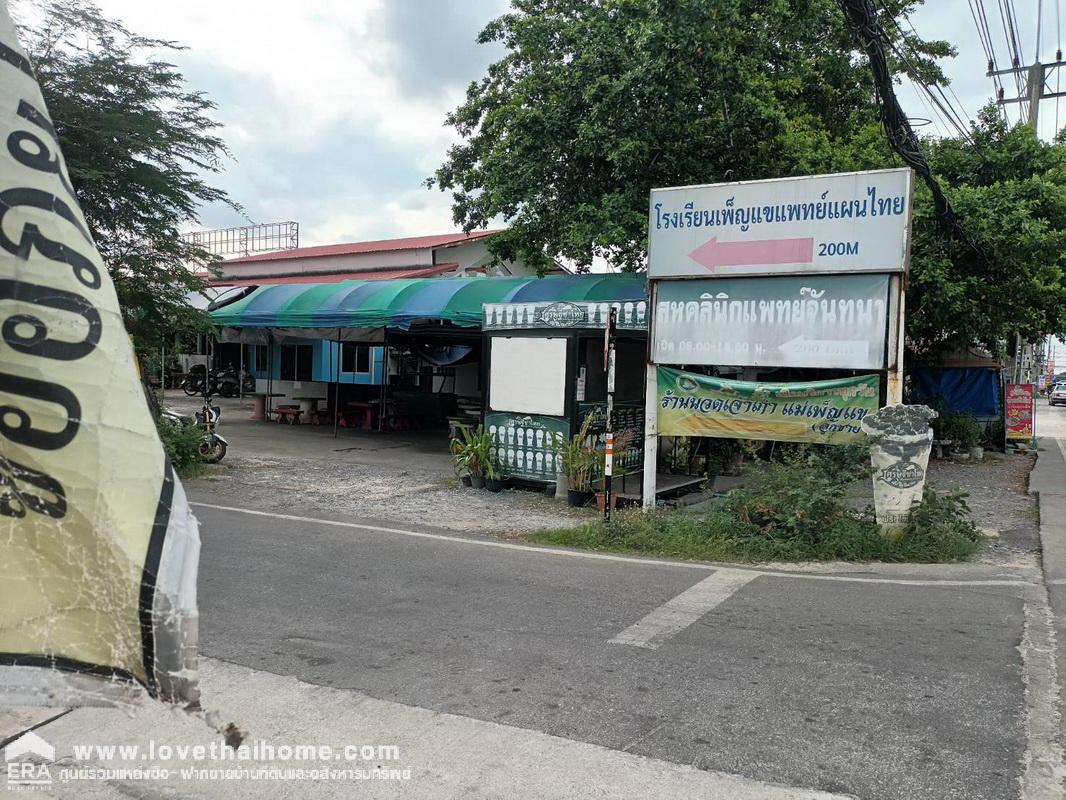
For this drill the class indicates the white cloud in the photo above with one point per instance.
(334, 111)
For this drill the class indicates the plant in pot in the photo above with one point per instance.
(578, 459)
(493, 477)
(967, 436)
(470, 452)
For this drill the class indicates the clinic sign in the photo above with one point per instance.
(826, 321)
(848, 222)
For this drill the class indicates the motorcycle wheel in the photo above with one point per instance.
(190, 388)
(212, 452)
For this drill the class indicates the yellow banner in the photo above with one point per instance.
(826, 412)
(99, 550)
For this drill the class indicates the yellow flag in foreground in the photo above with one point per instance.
(98, 549)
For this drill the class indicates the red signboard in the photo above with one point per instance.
(1020, 408)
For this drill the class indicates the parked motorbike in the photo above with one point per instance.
(227, 382)
(212, 446)
(199, 381)
(247, 381)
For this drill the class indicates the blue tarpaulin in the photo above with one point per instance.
(973, 389)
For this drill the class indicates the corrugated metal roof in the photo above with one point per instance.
(337, 277)
(378, 246)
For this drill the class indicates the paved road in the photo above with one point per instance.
(856, 685)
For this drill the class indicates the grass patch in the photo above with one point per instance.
(795, 510)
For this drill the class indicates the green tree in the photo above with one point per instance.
(1009, 190)
(137, 143)
(597, 102)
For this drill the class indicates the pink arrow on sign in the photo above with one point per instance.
(714, 253)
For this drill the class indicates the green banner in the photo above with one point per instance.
(827, 412)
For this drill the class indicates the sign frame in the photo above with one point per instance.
(895, 328)
(777, 242)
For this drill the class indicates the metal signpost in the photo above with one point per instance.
(608, 367)
(791, 272)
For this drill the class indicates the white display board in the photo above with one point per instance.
(528, 375)
(848, 222)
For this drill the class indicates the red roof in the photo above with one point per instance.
(337, 277)
(378, 246)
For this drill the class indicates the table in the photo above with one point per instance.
(259, 411)
(310, 405)
(367, 407)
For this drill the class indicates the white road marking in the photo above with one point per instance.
(675, 615)
(556, 551)
(1042, 763)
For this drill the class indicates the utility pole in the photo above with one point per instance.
(1037, 86)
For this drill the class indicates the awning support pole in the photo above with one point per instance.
(384, 381)
(270, 374)
(337, 385)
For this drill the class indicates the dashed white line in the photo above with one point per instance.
(675, 615)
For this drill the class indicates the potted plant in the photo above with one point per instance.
(493, 479)
(471, 451)
(967, 436)
(578, 458)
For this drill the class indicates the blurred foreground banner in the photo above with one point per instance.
(98, 549)
(825, 412)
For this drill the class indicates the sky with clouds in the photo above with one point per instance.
(334, 109)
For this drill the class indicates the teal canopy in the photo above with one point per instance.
(401, 303)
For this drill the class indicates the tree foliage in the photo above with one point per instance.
(595, 103)
(1009, 190)
(137, 143)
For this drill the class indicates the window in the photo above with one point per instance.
(261, 351)
(296, 362)
(355, 358)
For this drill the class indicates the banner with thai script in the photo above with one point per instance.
(99, 550)
(822, 321)
(824, 412)
(1019, 409)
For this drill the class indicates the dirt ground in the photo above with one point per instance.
(997, 493)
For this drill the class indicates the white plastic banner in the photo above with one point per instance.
(99, 549)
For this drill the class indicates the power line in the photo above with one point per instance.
(862, 18)
(984, 33)
(953, 118)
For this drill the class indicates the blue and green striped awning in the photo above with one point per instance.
(400, 303)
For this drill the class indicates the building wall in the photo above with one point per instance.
(323, 366)
(474, 258)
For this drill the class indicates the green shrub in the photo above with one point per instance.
(795, 509)
(182, 443)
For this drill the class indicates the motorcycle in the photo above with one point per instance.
(212, 446)
(199, 381)
(247, 381)
(227, 382)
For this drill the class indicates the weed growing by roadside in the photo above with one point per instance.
(794, 510)
(182, 444)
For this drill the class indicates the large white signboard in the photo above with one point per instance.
(831, 321)
(528, 375)
(848, 222)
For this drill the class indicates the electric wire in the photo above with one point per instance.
(952, 118)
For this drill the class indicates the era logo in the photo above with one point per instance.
(21, 772)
